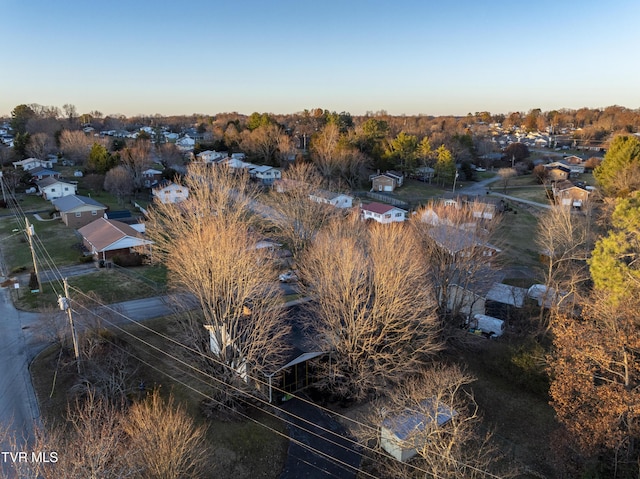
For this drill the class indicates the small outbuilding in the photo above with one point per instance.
(404, 434)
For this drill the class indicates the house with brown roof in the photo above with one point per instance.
(558, 171)
(105, 239)
(77, 211)
(383, 213)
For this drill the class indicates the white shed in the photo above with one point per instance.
(402, 435)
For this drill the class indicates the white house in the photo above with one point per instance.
(186, 143)
(51, 188)
(339, 200)
(170, 192)
(265, 174)
(211, 156)
(32, 163)
(402, 435)
(383, 213)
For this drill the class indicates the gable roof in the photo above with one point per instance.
(43, 183)
(380, 208)
(431, 413)
(40, 171)
(107, 235)
(71, 202)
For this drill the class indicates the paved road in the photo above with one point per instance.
(18, 406)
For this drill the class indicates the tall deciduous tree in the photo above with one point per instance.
(506, 174)
(619, 172)
(296, 217)
(370, 305)
(119, 183)
(211, 251)
(40, 145)
(324, 150)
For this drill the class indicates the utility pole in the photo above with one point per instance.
(65, 305)
(30, 233)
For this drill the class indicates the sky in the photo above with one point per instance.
(445, 57)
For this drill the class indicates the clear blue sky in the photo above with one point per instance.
(282, 56)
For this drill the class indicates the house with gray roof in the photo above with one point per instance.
(77, 211)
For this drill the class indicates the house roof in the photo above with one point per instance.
(71, 202)
(379, 208)
(40, 171)
(43, 183)
(107, 235)
(411, 421)
(456, 239)
(328, 195)
(504, 293)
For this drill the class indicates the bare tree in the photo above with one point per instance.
(166, 442)
(324, 148)
(212, 252)
(505, 175)
(564, 237)
(370, 305)
(449, 439)
(170, 155)
(455, 244)
(119, 182)
(262, 141)
(76, 145)
(296, 217)
(40, 145)
(137, 159)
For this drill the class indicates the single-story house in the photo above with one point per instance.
(339, 200)
(461, 242)
(383, 213)
(186, 143)
(52, 188)
(211, 156)
(424, 173)
(170, 192)
(106, 239)
(402, 435)
(33, 163)
(77, 211)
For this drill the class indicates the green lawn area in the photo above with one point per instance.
(53, 243)
(109, 285)
(516, 237)
(536, 193)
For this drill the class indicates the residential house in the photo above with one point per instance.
(460, 242)
(186, 143)
(566, 193)
(387, 181)
(404, 434)
(211, 156)
(151, 177)
(383, 213)
(105, 239)
(265, 174)
(39, 173)
(77, 211)
(557, 171)
(33, 163)
(485, 207)
(170, 192)
(424, 173)
(51, 188)
(339, 200)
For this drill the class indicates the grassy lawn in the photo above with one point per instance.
(536, 193)
(516, 235)
(109, 285)
(61, 244)
(251, 447)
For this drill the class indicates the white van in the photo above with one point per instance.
(492, 327)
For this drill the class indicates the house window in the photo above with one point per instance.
(78, 214)
(66, 188)
(388, 215)
(94, 213)
(398, 214)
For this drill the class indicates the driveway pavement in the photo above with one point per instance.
(319, 447)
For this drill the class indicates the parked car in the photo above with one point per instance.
(288, 277)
